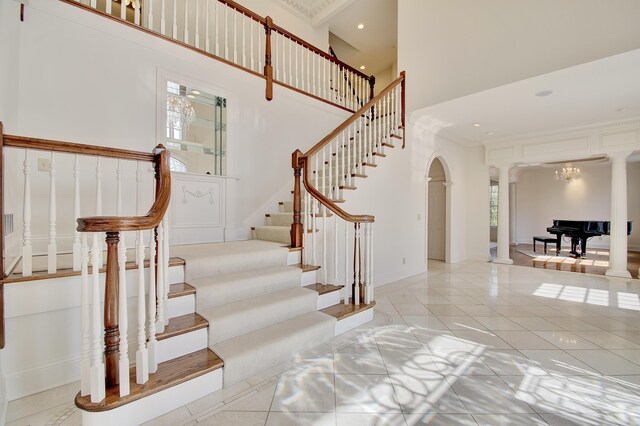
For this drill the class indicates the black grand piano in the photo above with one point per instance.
(580, 231)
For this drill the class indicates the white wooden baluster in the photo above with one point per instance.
(314, 66)
(343, 155)
(324, 218)
(197, 39)
(123, 318)
(284, 59)
(226, 32)
(347, 287)
(85, 326)
(360, 137)
(314, 213)
(335, 249)
(206, 26)
(123, 322)
(244, 46)
(186, 22)
(97, 363)
(235, 37)
(357, 264)
(107, 8)
(174, 33)
(290, 60)
(99, 199)
(275, 56)
(252, 25)
(165, 266)
(309, 72)
(160, 279)
(163, 18)
(261, 43)
(365, 269)
(138, 198)
(52, 249)
(217, 32)
(136, 13)
(142, 355)
(77, 247)
(152, 344)
(94, 3)
(349, 170)
(297, 50)
(27, 249)
(329, 194)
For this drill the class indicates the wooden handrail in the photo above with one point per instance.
(75, 148)
(371, 80)
(249, 13)
(318, 51)
(317, 147)
(137, 223)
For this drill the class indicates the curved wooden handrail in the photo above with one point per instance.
(316, 50)
(137, 223)
(301, 160)
(317, 147)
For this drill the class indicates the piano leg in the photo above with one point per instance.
(583, 247)
(574, 246)
(558, 241)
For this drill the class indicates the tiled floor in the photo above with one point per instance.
(465, 344)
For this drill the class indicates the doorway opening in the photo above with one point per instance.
(437, 212)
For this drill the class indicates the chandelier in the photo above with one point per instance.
(568, 173)
(180, 112)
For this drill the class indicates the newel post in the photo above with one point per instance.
(296, 226)
(268, 69)
(111, 331)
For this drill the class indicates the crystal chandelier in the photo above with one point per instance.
(568, 173)
(180, 112)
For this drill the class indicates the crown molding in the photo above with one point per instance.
(627, 124)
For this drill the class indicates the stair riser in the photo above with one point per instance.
(354, 321)
(294, 257)
(183, 344)
(182, 305)
(329, 299)
(155, 405)
(308, 278)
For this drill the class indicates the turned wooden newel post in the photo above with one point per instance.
(111, 332)
(268, 69)
(404, 129)
(296, 226)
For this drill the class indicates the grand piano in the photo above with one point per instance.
(580, 231)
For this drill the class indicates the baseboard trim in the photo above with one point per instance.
(42, 377)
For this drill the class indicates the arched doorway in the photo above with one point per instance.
(437, 235)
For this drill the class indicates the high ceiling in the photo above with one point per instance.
(600, 91)
(373, 46)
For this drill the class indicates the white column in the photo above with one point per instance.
(503, 215)
(513, 239)
(618, 230)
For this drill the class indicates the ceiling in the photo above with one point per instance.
(601, 91)
(374, 46)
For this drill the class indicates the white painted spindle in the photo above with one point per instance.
(142, 355)
(371, 285)
(85, 322)
(136, 13)
(138, 199)
(197, 40)
(163, 18)
(216, 40)
(97, 363)
(244, 46)
(52, 249)
(77, 246)
(206, 26)
(357, 265)
(235, 37)
(123, 318)
(186, 22)
(165, 266)
(99, 199)
(152, 344)
(174, 32)
(347, 287)
(160, 279)
(27, 249)
(226, 32)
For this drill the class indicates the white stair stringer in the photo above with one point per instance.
(244, 316)
(223, 289)
(248, 354)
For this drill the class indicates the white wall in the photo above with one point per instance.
(540, 199)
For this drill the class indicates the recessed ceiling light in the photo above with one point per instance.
(362, 67)
(360, 26)
(190, 96)
(544, 93)
(196, 92)
(476, 124)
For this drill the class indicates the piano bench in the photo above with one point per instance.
(545, 241)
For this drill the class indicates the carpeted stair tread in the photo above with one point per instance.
(208, 260)
(280, 219)
(276, 234)
(222, 289)
(286, 206)
(244, 316)
(248, 354)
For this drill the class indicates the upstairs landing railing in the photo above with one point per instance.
(233, 34)
(329, 169)
(105, 362)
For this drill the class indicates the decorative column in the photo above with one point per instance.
(618, 230)
(513, 239)
(503, 215)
